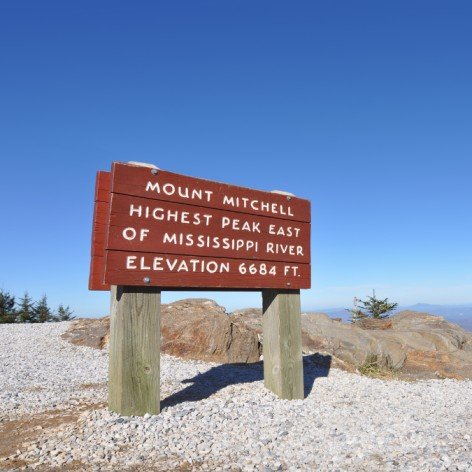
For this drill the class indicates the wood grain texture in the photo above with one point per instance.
(282, 346)
(97, 271)
(132, 180)
(169, 271)
(99, 228)
(134, 365)
(99, 231)
(103, 186)
(205, 231)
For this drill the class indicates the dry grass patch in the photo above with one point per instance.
(14, 434)
(373, 368)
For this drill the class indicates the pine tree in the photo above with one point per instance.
(7, 307)
(64, 314)
(373, 307)
(42, 311)
(26, 312)
(377, 308)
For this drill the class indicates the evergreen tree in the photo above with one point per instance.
(26, 312)
(64, 314)
(373, 307)
(42, 311)
(7, 307)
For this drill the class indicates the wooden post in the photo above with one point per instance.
(282, 343)
(134, 369)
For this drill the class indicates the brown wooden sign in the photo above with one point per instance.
(168, 230)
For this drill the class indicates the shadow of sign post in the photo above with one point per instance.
(155, 230)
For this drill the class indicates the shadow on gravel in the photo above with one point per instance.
(206, 384)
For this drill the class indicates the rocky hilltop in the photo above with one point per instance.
(411, 344)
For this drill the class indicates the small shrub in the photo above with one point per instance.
(372, 367)
(373, 307)
(64, 313)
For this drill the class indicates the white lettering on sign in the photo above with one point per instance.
(174, 264)
(159, 214)
(293, 269)
(130, 233)
(197, 265)
(205, 241)
(284, 231)
(278, 248)
(157, 264)
(257, 205)
(212, 242)
(177, 228)
(183, 192)
(238, 225)
(130, 262)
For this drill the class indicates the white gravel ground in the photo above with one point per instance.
(221, 418)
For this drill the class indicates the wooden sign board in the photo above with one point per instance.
(168, 230)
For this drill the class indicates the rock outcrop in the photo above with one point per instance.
(194, 328)
(417, 345)
(414, 345)
(201, 329)
(91, 332)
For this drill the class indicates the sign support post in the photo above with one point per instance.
(282, 343)
(135, 338)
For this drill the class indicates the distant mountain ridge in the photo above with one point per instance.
(459, 314)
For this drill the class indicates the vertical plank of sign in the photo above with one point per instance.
(282, 343)
(134, 369)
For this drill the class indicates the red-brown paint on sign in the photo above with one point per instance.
(99, 231)
(132, 268)
(145, 225)
(139, 181)
(163, 229)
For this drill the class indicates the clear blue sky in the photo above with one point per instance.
(365, 108)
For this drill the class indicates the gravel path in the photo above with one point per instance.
(220, 417)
